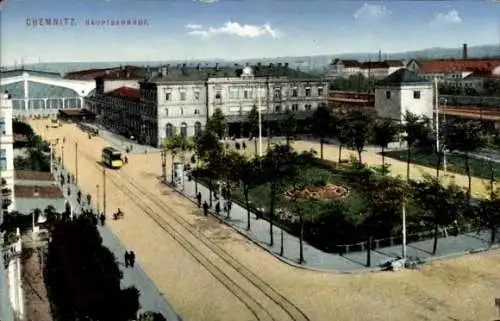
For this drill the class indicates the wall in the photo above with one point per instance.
(402, 100)
(6, 143)
(110, 85)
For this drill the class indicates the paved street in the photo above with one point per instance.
(350, 262)
(150, 298)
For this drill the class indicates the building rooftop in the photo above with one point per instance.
(401, 77)
(75, 112)
(126, 72)
(126, 93)
(201, 73)
(21, 71)
(33, 176)
(23, 191)
(450, 65)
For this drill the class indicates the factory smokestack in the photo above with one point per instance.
(464, 51)
(380, 55)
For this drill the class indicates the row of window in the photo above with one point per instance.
(3, 159)
(169, 129)
(416, 94)
(235, 93)
(195, 112)
(2, 125)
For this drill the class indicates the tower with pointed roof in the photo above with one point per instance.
(404, 91)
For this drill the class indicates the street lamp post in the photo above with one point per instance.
(104, 191)
(76, 163)
(445, 101)
(260, 129)
(97, 198)
(62, 156)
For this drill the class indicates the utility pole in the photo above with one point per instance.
(97, 198)
(76, 163)
(104, 191)
(436, 103)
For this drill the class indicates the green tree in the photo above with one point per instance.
(359, 125)
(278, 165)
(488, 216)
(384, 131)
(441, 205)
(217, 123)
(467, 137)
(322, 124)
(209, 149)
(383, 199)
(288, 125)
(343, 131)
(151, 316)
(174, 145)
(253, 125)
(245, 172)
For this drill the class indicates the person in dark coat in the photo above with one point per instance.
(132, 258)
(217, 208)
(102, 218)
(127, 259)
(205, 208)
(198, 198)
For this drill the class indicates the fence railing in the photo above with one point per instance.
(398, 240)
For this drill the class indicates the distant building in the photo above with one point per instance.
(6, 152)
(404, 91)
(370, 69)
(37, 190)
(467, 73)
(181, 98)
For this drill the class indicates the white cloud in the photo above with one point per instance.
(450, 17)
(192, 26)
(371, 11)
(235, 29)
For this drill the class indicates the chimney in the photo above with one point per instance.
(217, 68)
(198, 67)
(380, 55)
(464, 51)
(148, 72)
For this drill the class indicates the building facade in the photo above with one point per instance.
(466, 73)
(370, 69)
(401, 92)
(38, 93)
(6, 152)
(179, 99)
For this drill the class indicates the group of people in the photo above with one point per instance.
(227, 205)
(129, 259)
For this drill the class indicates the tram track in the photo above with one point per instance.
(235, 288)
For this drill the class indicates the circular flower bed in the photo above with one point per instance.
(329, 191)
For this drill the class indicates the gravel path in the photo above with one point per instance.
(457, 289)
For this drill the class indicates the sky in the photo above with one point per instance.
(237, 29)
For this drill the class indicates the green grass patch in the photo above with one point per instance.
(480, 168)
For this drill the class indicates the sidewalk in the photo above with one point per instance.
(351, 262)
(150, 298)
(121, 143)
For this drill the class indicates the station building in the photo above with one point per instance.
(153, 103)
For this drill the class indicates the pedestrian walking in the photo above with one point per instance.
(205, 208)
(132, 258)
(127, 259)
(198, 198)
(102, 218)
(217, 208)
(229, 205)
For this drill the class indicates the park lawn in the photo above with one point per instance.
(480, 168)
